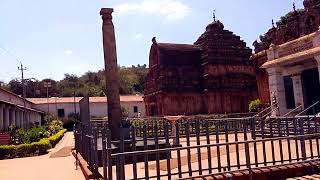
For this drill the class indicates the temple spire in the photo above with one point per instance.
(294, 6)
(214, 15)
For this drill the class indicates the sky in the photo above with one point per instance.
(55, 37)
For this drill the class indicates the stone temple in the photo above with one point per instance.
(212, 76)
(287, 60)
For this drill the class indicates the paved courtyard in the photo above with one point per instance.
(57, 165)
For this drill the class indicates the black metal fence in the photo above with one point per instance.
(160, 149)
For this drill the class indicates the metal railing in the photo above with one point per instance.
(161, 150)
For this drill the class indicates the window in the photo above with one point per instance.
(135, 109)
(288, 87)
(61, 113)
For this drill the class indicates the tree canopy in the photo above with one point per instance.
(132, 81)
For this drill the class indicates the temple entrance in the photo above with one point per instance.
(311, 89)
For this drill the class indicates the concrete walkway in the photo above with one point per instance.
(57, 165)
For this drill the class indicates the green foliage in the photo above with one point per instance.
(132, 81)
(125, 112)
(284, 19)
(53, 123)
(31, 149)
(73, 118)
(56, 138)
(254, 105)
(35, 134)
(17, 135)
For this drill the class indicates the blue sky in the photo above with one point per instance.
(56, 37)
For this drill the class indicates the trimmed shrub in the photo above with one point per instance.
(56, 138)
(36, 148)
(42, 146)
(8, 152)
(255, 105)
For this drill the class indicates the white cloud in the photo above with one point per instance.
(138, 36)
(170, 9)
(68, 52)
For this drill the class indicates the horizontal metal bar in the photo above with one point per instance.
(213, 145)
(253, 168)
(308, 108)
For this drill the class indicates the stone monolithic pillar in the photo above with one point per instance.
(277, 91)
(1, 117)
(6, 117)
(111, 72)
(297, 90)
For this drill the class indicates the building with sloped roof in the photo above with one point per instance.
(212, 76)
(15, 110)
(64, 106)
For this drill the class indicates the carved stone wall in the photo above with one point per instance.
(295, 24)
(212, 76)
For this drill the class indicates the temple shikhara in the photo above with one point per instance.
(287, 60)
(212, 76)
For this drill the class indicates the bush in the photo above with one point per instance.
(8, 152)
(54, 126)
(73, 118)
(36, 148)
(35, 134)
(56, 138)
(255, 105)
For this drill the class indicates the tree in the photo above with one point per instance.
(132, 81)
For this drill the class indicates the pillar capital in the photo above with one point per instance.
(274, 70)
(106, 13)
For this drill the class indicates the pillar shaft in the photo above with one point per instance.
(277, 91)
(17, 118)
(1, 118)
(111, 72)
(22, 124)
(12, 116)
(6, 118)
(297, 90)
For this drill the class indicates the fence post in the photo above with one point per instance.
(247, 149)
(302, 139)
(109, 157)
(95, 151)
(104, 153)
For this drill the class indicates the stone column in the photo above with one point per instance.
(17, 118)
(6, 117)
(22, 123)
(111, 72)
(12, 116)
(297, 90)
(26, 119)
(277, 92)
(1, 118)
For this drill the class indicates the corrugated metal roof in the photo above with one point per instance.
(59, 100)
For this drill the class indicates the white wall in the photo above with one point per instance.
(97, 109)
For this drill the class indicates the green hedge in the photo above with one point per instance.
(33, 149)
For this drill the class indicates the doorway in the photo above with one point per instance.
(311, 89)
